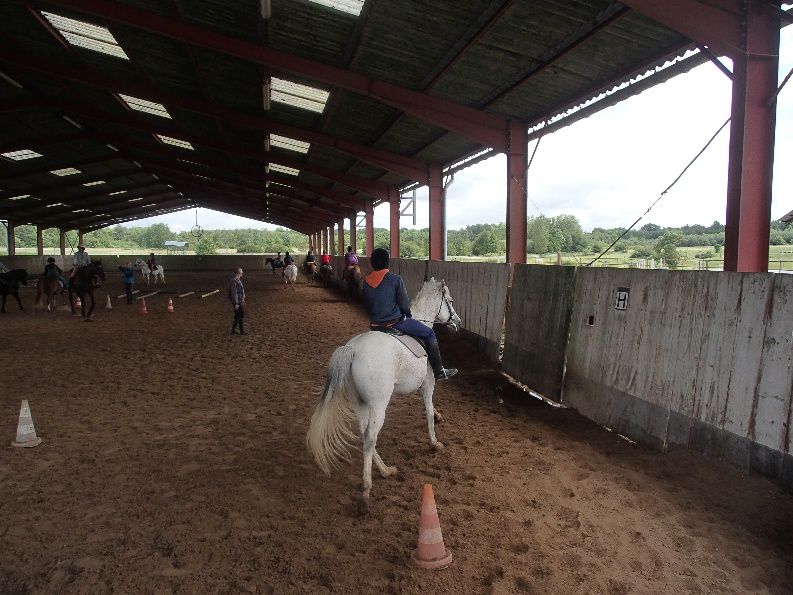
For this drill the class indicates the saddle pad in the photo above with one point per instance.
(412, 344)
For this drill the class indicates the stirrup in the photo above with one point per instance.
(446, 373)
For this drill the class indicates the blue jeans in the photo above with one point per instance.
(414, 328)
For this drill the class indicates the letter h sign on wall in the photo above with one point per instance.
(622, 298)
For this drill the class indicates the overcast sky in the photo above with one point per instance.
(608, 168)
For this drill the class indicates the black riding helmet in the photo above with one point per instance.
(379, 259)
(50, 259)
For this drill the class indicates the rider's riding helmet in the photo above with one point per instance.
(81, 246)
(50, 259)
(379, 260)
(349, 248)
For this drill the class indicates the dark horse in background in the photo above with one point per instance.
(83, 283)
(276, 264)
(9, 285)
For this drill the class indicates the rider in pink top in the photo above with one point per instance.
(350, 258)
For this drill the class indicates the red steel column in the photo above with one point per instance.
(342, 247)
(353, 231)
(332, 240)
(12, 249)
(369, 215)
(39, 240)
(394, 212)
(325, 239)
(437, 215)
(517, 161)
(62, 234)
(80, 237)
(760, 69)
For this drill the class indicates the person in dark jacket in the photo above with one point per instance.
(237, 299)
(53, 270)
(387, 301)
(129, 280)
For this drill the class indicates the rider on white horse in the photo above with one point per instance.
(389, 306)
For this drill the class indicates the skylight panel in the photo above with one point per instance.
(136, 199)
(19, 197)
(117, 192)
(82, 211)
(291, 144)
(144, 105)
(175, 142)
(96, 183)
(283, 169)
(86, 35)
(66, 171)
(353, 7)
(21, 155)
(57, 204)
(298, 95)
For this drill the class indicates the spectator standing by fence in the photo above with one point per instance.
(129, 279)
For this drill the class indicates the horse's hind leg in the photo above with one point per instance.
(384, 470)
(369, 436)
(429, 411)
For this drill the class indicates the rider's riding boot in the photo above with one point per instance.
(434, 356)
(234, 326)
(242, 329)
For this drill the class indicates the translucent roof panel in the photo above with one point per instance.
(21, 155)
(20, 197)
(352, 7)
(96, 183)
(290, 144)
(117, 192)
(175, 142)
(298, 95)
(86, 35)
(66, 171)
(146, 106)
(283, 169)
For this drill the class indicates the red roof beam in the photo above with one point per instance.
(66, 183)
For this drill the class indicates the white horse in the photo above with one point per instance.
(362, 377)
(159, 274)
(290, 275)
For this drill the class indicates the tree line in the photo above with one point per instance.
(545, 235)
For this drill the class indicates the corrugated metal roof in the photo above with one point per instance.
(527, 60)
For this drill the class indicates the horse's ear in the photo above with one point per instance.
(432, 279)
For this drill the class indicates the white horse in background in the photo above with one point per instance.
(290, 275)
(362, 377)
(159, 274)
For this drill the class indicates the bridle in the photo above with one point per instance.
(447, 301)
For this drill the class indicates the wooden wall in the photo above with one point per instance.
(413, 273)
(698, 359)
(538, 319)
(479, 291)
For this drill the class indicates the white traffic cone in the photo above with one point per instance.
(26, 431)
(109, 304)
(170, 305)
(78, 303)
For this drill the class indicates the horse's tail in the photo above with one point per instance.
(329, 435)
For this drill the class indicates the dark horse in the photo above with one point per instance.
(310, 269)
(276, 264)
(83, 282)
(9, 285)
(354, 279)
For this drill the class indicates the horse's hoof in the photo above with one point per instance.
(438, 446)
(363, 505)
(437, 417)
(389, 471)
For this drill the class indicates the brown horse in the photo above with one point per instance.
(310, 269)
(9, 285)
(49, 287)
(354, 279)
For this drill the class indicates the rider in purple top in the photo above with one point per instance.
(350, 258)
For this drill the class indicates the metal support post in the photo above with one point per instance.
(437, 220)
(517, 163)
(394, 213)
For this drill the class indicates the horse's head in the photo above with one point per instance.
(97, 272)
(446, 312)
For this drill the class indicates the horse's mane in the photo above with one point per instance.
(429, 286)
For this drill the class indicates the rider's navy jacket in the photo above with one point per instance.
(386, 300)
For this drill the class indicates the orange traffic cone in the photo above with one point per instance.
(430, 552)
(78, 303)
(142, 306)
(170, 305)
(109, 304)
(26, 432)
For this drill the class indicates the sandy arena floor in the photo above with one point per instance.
(176, 463)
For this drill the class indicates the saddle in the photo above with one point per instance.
(416, 346)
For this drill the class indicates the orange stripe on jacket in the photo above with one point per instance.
(374, 278)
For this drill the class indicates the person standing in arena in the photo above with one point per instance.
(237, 299)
